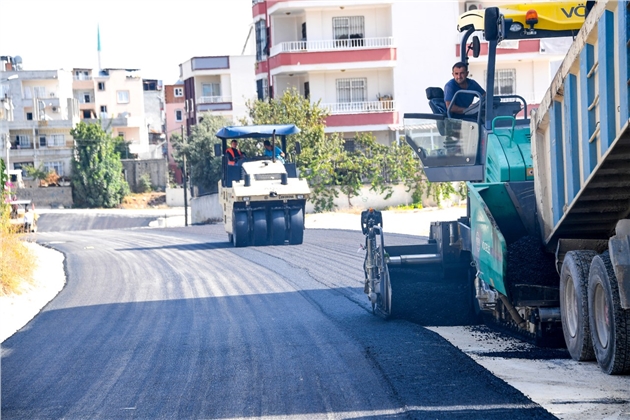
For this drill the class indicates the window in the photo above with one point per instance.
(211, 89)
(504, 81)
(29, 116)
(42, 141)
(121, 134)
(262, 89)
(54, 166)
(39, 91)
(103, 108)
(179, 115)
(101, 85)
(351, 90)
(261, 40)
(87, 98)
(349, 28)
(349, 145)
(81, 75)
(22, 141)
(56, 140)
(122, 96)
(87, 113)
(178, 92)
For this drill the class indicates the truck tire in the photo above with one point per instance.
(574, 304)
(240, 229)
(609, 322)
(278, 227)
(296, 229)
(260, 228)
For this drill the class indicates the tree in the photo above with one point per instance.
(97, 179)
(330, 168)
(205, 170)
(320, 155)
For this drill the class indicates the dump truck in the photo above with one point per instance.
(544, 249)
(263, 199)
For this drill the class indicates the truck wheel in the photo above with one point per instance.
(260, 228)
(278, 227)
(609, 322)
(296, 230)
(574, 304)
(239, 228)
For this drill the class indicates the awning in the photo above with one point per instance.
(256, 131)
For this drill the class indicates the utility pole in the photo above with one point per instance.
(185, 174)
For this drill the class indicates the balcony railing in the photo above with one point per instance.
(332, 44)
(213, 99)
(360, 107)
(82, 77)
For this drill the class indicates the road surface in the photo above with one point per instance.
(175, 323)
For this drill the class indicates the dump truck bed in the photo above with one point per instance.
(580, 133)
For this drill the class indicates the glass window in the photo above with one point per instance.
(178, 92)
(122, 96)
(39, 91)
(56, 140)
(179, 115)
(350, 27)
(351, 90)
(42, 141)
(504, 81)
(211, 89)
(101, 85)
(54, 166)
(22, 141)
(261, 40)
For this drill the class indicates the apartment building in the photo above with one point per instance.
(39, 111)
(154, 113)
(369, 61)
(220, 85)
(116, 98)
(174, 115)
(524, 67)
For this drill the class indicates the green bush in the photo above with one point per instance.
(144, 184)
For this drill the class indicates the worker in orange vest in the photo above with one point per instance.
(233, 154)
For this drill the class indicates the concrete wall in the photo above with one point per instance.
(206, 209)
(175, 197)
(156, 168)
(53, 197)
(368, 198)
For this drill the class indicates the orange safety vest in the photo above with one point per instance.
(230, 151)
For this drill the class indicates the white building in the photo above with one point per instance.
(220, 85)
(40, 111)
(370, 61)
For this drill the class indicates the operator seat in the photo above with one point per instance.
(435, 95)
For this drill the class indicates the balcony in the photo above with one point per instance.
(325, 55)
(332, 45)
(369, 107)
(213, 99)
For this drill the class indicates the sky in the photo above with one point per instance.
(154, 36)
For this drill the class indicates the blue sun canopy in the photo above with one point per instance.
(256, 131)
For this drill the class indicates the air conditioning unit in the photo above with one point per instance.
(473, 5)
